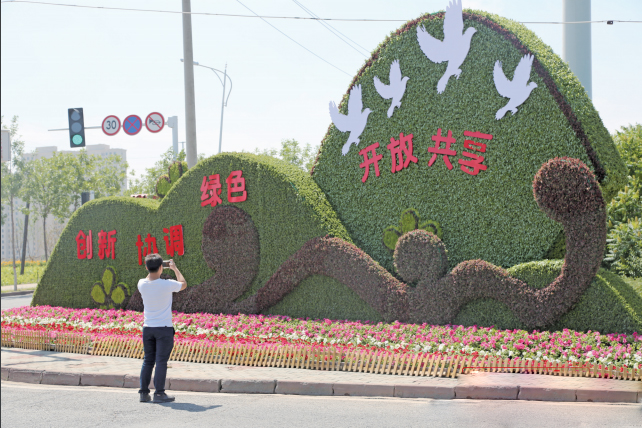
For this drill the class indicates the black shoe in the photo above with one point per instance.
(163, 398)
(144, 397)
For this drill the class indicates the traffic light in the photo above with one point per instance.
(76, 127)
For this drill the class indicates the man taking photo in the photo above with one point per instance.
(158, 329)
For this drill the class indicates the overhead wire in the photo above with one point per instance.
(312, 18)
(334, 31)
(322, 59)
(264, 18)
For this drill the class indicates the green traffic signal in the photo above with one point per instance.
(76, 127)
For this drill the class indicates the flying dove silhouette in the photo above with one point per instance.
(517, 90)
(395, 89)
(354, 122)
(455, 46)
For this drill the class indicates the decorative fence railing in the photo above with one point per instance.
(315, 357)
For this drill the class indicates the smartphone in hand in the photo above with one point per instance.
(165, 264)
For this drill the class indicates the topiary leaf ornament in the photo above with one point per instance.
(408, 222)
(108, 293)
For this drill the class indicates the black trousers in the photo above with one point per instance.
(158, 343)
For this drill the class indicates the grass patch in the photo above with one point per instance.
(33, 272)
(635, 283)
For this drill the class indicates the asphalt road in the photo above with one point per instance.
(15, 301)
(25, 405)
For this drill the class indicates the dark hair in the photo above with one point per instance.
(153, 262)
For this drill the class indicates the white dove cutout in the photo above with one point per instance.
(354, 122)
(395, 89)
(517, 90)
(455, 46)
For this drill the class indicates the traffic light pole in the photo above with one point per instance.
(172, 122)
(188, 67)
(67, 129)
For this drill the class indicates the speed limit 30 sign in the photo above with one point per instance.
(111, 125)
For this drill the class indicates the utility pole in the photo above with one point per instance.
(220, 135)
(24, 243)
(188, 67)
(576, 47)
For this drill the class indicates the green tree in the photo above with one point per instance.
(624, 236)
(146, 183)
(291, 151)
(49, 188)
(55, 184)
(14, 174)
(103, 176)
(628, 141)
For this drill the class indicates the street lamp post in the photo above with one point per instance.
(224, 99)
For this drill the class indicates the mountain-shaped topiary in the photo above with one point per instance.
(491, 215)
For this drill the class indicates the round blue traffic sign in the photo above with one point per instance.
(132, 125)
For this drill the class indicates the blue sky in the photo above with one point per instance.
(118, 62)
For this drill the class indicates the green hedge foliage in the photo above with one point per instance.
(491, 216)
(285, 204)
(609, 305)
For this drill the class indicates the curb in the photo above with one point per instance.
(17, 293)
(256, 386)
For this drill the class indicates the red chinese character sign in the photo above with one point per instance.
(444, 152)
(107, 244)
(174, 243)
(84, 245)
(211, 189)
(401, 152)
(146, 247)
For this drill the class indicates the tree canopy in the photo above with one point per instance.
(293, 152)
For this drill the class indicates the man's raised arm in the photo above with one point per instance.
(179, 276)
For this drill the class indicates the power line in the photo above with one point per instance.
(581, 22)
(201, 13)
(333, 30)
(311, 18)
(327, 62)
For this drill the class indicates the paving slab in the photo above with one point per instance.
(60, 378)
(25, 375)
(295, 387)
(36, 366)
(195, 385)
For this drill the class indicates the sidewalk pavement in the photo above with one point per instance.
(57, 368)
(21, 288)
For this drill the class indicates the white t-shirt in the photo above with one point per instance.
(157, 301)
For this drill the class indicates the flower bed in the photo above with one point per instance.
(562, 346)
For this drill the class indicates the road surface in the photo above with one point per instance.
(26, 405)
(15, 301)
